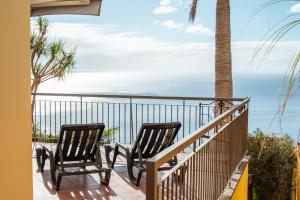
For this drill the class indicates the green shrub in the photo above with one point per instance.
(108, 135)
(272, 174)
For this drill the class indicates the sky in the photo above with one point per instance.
(151, 36)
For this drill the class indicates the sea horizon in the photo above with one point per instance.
(262, 89)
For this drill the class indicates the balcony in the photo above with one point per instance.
(210, 145)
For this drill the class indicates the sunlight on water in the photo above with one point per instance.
(262, 89)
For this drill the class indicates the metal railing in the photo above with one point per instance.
(205, 172)
(124, 112)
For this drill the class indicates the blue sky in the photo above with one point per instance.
(138, 46)
(143, 35)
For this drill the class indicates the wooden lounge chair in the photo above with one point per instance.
(78, 147)
(152, 139)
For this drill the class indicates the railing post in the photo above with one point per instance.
(194, 146)
(151, 183)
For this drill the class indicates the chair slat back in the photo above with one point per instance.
(154, 138)
(79, 142)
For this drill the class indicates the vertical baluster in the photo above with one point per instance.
(71, 116)
(102, 112)
(171, 113)
(208, 108)
(165, 113)
(114, 139)
(76, 110)
(40, 121)
(97, 113)
(81, 109)
(168, 188)
(176, 183)
(136, 119)
(148, 114)
(131, 122)
(92, 112)
(172, 186)
(65, 112)
(119, 108)
(86, 112)
(153, 113)
(183, 117)
(60, 114)
(196, 117)
(190, 116)
(159, 113)
(50, 116)
(34, 121)
(163, 189)
(177, 118)
(142, 113)
(108, 117)
(45, 116)
(184, 177)
(125, 112)
(55, 131)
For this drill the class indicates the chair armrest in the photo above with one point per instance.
(50, 152)
(126, 149)
(121, 146)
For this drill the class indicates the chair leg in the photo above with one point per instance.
(133, 179)
(139, 178)
(57, 185)
(41, 157)
(130, 173)
(116, 153)
(108, 149)
(105, 180)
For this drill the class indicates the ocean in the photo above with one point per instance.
(262, 89)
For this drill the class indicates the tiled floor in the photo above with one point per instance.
(88, 186)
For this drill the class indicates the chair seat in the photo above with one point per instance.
(151, 139)
(78, 147)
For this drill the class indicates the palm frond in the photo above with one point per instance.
(291, 88)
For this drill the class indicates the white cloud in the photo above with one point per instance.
(164, 10)
(167, 7)
(165, 2)
(295, 8)
(199, 29)
(105, 48)
(170, 24)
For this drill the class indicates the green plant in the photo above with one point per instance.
(273, 171)
(108, 135)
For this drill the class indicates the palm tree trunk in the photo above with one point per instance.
(223, 66)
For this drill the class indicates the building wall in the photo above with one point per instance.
(15, 120)
(241, 190)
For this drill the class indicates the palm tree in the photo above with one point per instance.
(223, 65)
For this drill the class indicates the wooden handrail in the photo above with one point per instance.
(235, 129)
(173, 150)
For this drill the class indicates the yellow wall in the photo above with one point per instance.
(15, 120)
(241, 191)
